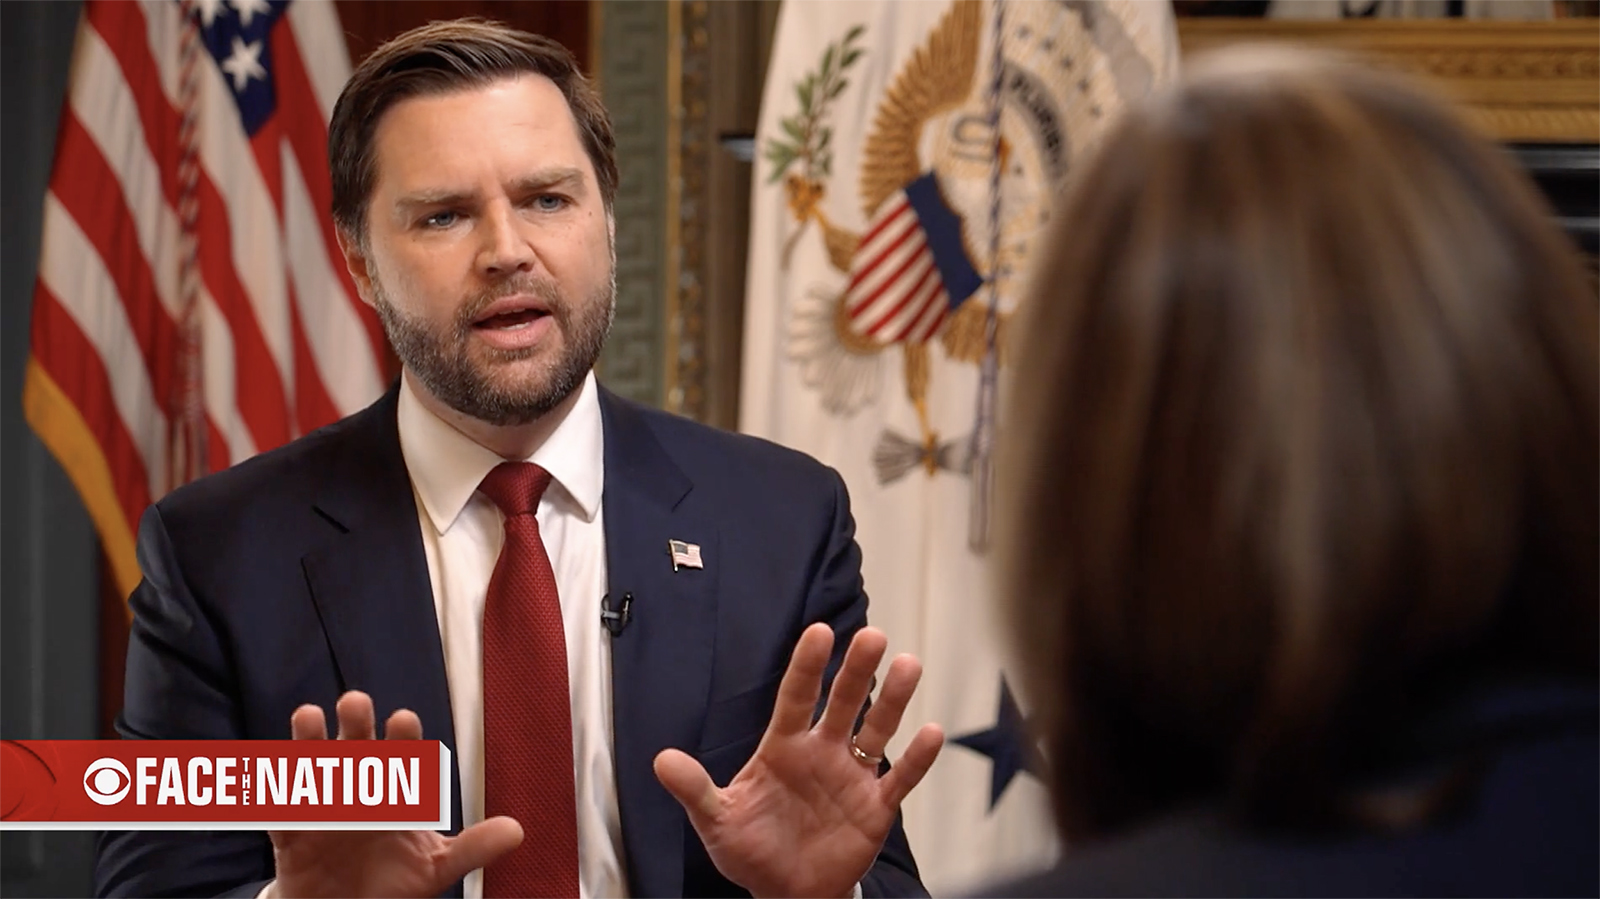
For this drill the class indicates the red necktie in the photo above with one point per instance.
(527, 708)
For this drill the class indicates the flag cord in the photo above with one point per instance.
(187, 453)
(983, 430)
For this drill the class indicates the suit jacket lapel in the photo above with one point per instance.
(661, 662)
(370, 581)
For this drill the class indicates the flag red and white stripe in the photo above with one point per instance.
(910, 269)
(895, 291)
(187, 317)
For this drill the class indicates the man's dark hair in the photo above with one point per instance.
(439, 58)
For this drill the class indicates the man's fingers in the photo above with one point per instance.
(308, 722)
(802, 683)
(403, 725)
(852, 684)
(476, 847)
(689, 783)
(912, 765)
(356, 720)
(883, 719)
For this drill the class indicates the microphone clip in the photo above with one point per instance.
(615, 619)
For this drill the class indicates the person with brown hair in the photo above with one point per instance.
(620, 622)
(1302, 467)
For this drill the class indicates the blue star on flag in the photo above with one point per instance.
(1007, 745)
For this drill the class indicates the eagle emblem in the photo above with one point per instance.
(970, 139)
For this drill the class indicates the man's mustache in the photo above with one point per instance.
(543, 288)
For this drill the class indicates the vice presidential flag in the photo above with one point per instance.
(907, 154)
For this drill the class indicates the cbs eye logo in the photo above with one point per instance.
(106, 781)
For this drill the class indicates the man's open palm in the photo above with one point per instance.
(807, 815)
(379, 863)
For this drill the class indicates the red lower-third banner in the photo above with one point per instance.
(224, 785)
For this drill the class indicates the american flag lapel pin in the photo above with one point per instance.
(684, 555)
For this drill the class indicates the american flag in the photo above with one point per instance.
(192, 307)
(910, 269)
(684, 555)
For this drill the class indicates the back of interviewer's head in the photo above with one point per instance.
(1305, 432)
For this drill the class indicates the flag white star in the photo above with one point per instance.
(209, 9)
(248, 9)
(244, 63)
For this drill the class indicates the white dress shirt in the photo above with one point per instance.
(462, 531)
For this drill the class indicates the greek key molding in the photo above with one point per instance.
(632, 65)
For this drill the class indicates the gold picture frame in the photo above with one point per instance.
(1521, 82)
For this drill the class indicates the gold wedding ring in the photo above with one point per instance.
(861, 756)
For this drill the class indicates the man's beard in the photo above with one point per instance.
(440, 357)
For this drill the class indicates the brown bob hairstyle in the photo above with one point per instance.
(1303, 439)
(439, 58)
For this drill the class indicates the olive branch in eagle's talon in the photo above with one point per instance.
(807, 138)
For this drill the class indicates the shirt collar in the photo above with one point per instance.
(446, 466)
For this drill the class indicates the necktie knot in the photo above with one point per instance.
(515, 487)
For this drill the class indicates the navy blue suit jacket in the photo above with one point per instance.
(300, 574)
